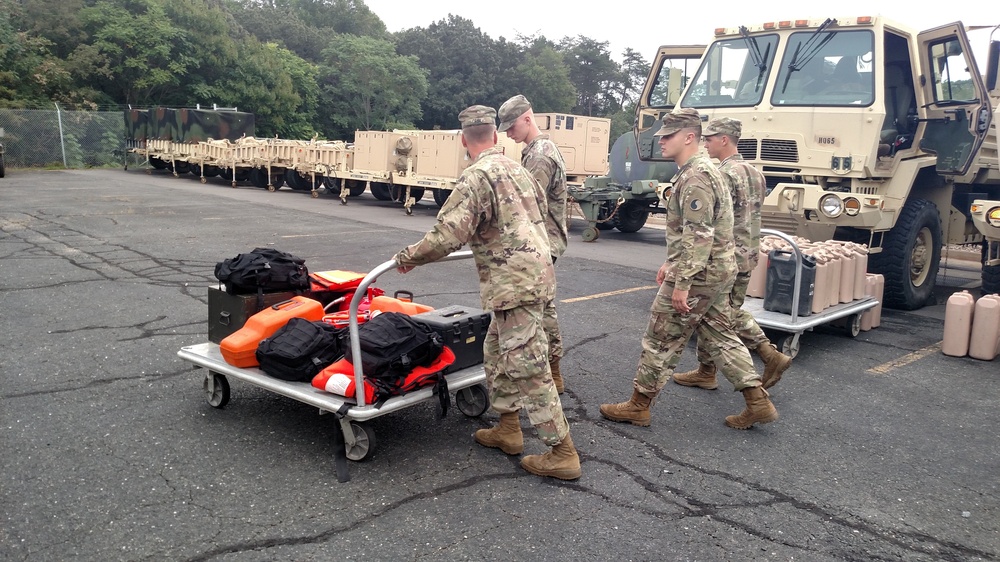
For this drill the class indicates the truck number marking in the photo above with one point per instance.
(827, 140)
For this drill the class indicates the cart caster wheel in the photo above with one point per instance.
(409, 211)
(789, 345)
(853, 325)
(176, 175)
(315, 194)
(343, 200)
(217, 388)
(270, 187)
(591, 233)
(149, 171)
(204, 180)
(364, 443)
(234, 185)
(472, 401)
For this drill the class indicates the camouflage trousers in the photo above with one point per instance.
(744, 324)
(550, 323)
(669, 331)
(515, 357)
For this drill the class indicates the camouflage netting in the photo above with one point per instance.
(187, 125)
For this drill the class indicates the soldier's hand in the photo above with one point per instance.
(679, 299)
(661, 274)
(404, 268)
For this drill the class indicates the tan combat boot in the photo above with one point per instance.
(759, 409)
(556, 375)
(560, 462)
(702, 377)
(506, 436)
(775, 363)
(635, 410)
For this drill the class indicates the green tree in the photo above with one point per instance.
(593, 73)
(634, 71)
(270, 24)
(465, 67)
(543, 77)
(365, 85)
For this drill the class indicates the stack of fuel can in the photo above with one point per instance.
(972, 327)
(833, 272)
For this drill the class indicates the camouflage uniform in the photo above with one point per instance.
(748, 189)
(542, 158)
(494, 210)
(700, 259)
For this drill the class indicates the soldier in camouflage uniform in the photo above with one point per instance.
(542, 158)
(748, 188)
(695, 283)
(494, 209)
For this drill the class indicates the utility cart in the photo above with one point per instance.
(355, 440)
(792, 325)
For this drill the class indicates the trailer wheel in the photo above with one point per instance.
(364, 442)
(259, 178)
(355, 188)
(606, 217)
(399, 193)
(853, 325)
(158, 163)
(910, 255)
(631, 217)
(441, 195)
(381, 191)
(216, 389)
(472, 401)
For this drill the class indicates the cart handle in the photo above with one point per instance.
(798, 267)
(359, 293)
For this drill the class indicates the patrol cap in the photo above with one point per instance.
(477, 115)
(683, 118)
(511, 110)
(723, 126)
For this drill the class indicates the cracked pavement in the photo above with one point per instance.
(111, 452)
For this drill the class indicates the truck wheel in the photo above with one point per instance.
(259, 178)
(398, 193)
(606, 213)
(631, 217)
(910, 255)
(3, 168)
(441, 195)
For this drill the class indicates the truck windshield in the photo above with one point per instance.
(670, 81)
(836, 70)
(733, 72)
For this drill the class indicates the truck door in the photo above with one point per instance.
(668, 75)
(958, 107)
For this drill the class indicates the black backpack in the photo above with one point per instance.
(264, 270)
(300, 349)
(392, 344)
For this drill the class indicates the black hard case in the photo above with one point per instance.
(462, 329)
(228, 313)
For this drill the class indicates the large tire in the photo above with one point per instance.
(258, 177)
(158, 163)
(911, 254)
(399, 193)
(441, 195)
(631, 216)
(296, 181)
(381, 191)
(3, 167)
(604, 211)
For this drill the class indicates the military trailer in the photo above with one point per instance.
(626, 194)
(865, 130)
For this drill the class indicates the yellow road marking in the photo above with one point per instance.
(611, 294)
(906, 359)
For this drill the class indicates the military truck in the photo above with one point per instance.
(986, 216)
(865, 130)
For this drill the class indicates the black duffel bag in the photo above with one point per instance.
(300, 349)
(263, 270)
(392, 344)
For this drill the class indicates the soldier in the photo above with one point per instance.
(542, 158)
(747, 188)
(494, 208)
(695, 282)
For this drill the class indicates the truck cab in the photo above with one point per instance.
(865, 131)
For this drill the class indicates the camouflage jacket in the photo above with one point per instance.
(747, 185)
(543, 159)
(494, 209)
(699, 226)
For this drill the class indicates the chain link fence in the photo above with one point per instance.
(56, 138)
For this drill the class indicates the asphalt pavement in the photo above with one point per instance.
(885, 449)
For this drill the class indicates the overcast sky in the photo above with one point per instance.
(623, 25)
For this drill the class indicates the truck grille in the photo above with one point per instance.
(779, 150)
(747, 148)
(785, 224)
